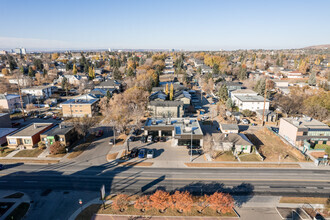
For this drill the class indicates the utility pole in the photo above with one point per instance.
(263, 112)
(20, 98)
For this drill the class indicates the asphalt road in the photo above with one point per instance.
(72, 176)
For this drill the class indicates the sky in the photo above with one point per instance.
(158, 24)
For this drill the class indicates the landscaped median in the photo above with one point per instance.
(164, 204)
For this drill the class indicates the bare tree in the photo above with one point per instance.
(82, 125)
(208, 145)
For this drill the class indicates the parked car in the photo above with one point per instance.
(253, 124)
(131, 138)
(46, 117)
(245, 121)
(149, 138)
(136, 132)
(156, 139)
(143, 139)
(198, 107)
(142, 153)
(111, 141)
(134, 153)
(142, 128)
(195, 152)
(194, 147)
(162, 139)
(98, 133)
(15, 124)
(150, 153)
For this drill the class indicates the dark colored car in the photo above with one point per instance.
(162, 139)
(1, 166)
(156, 139)
(142, 153)
(15, 124)
(136, 132)
(195, 152)
(131, 138)
(134, 153)
(194, 147)
(143, 139)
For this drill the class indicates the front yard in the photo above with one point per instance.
(4, 151)
(29, 153)
(273, 148)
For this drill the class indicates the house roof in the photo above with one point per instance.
(306, 122)
(80, 101)
(58, 130)
(31, 129)
(8, 96)
(255, 98)
(236, 139)
(158, 95)
(229, 126)
(166, 103)
(244, 91)
(6, 131)
(110, 82)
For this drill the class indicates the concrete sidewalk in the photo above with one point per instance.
(17, 201)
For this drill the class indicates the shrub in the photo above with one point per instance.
(248, 113)
(57, 148)
(182, 201)
(160, 200)
(41, 145)
(221, 202)
(121, 202)
(143, 203)
(203, 203)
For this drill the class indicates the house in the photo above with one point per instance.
(231, 86)
(241, 92)
(280, 83)
(100, 93)
(198, 63)
(183, 96)
(5, 121)
(302, 130)
(158, 96)
(39, 92)
(251, 103)
(166, 108)
(80, 107)
(64, 133)
(25, 81)
(4, 132)
(269, 116)
(9, 102)
(111, 84)
(295, 75)
(239, 143)
(180, 130)
(206, 69)
(27, 136)
(229, 128)
(72, 79)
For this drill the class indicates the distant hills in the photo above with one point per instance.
(318, 47)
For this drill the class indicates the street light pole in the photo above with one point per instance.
(191, 145)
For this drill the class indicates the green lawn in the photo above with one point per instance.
(321, 146)
(29, 153)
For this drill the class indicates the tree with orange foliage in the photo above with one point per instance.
(121, 202)
(203, 203)
(221, 202)
(160, 200)
(182, 201)
(143, 203)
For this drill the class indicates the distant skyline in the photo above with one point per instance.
(171, 24)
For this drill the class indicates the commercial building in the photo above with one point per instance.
(27, 136)
(166, 108)
(306, 130)
(180, 130)
(62, 132)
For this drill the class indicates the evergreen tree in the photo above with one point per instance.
(215, 69)
(130, 72)
(223, 93)
(116, 74)
(108, 95)
(229, 104)
(312, 79)
(22, 69)
(31, 72)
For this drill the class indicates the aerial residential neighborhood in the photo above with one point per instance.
(165, 110)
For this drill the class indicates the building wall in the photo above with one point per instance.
(288, 131)
(252, 106)
(10, 104)
(160, 111)
(77, 110)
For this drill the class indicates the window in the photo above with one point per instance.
(61, 139)
(12, 141)
(304, 133)
(324, 142)
(27, 141)
(45, 139)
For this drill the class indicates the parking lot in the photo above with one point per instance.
(164, 153)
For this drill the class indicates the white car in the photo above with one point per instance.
(245, 121)
(150, 154)
(149, 138)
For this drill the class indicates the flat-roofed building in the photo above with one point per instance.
(27, 136)
(251, 103)
(64, 133)
(80, 107)
(229, 128)
(180, 130)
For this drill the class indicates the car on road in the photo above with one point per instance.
(150, 153)
(142, 153)
(162, 139)
(1, 166)
(149, 138)
(98, 133)
(111, 142)
(134, 153)
(195, 152)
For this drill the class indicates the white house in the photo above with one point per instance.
(241, 92)
(43, 92)
(251, 103)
